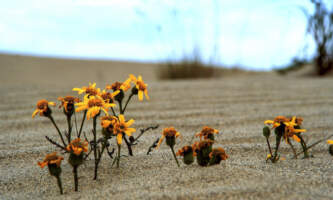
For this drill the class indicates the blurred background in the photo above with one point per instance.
(182, 36)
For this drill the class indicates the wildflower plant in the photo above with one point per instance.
(285, 129)
(203, 150)
(104, 105)
(53, 162)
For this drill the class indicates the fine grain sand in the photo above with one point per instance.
(235, 105)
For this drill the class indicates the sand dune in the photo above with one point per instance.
(237, 106)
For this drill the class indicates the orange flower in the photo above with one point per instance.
(218, 152)
(277, 121)
(206, 132)
(94, 104)
(140, 86)
(77, 147)
(184, 150)
(291, 131)
(68, 103)
(120, 86)
(50, 159)
(43, 108)
(108, 97)
(197, 146)
(329, 141)
(122, 127)
(91, 90)
(106, 121)
(170, 133)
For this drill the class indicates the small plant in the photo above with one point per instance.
(53, 162)
(202, 150)
(285, 128)
(97, 105)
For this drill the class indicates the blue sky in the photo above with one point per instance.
(256, 34)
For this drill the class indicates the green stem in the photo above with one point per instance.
(69, 120)
(114, 113)
(55, 125)
(292, 147)
(83, 120)
(95, 147)
(128, 100)
(100, 157)
(120, 107)
(314, 144)
(118, 157)
(76, 180)
(174, 155)
(59, 184)
(278, 141)
(269, 146)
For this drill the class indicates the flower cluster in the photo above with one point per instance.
(203, 150)
(285, 128)
(96, 104)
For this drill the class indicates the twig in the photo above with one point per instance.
(154, 145)
(55, 143)
(142, 131)
(314, 144)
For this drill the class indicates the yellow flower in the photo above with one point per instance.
(108, 97)
(77, 147)
(94, 104)
(290, 130)
(206, 132)
(140, 86)
(277, 121)
(329, 141)
(169, 133)
(120, 86)
(90, 90)
(68, 103)
(122, 127)
(106, 121)
(50, 159)
(43, 108)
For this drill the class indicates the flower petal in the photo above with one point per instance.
(119, 138)
(140, 95)
(35, 113)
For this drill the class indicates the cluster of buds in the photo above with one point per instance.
(202, 150)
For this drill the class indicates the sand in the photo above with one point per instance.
(235, 105)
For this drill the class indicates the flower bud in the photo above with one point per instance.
(266, 131)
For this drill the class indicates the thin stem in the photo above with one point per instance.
(55, 125)
(59, 184)
(269, 146)
(83, 120)
(143, 131)
(100, 157)
(174, 155)
(114, 113)
(75, 121)
(55, 143)
(118, 157)
(278, 141)
(120, 107)
(129, 145)
(314, 144)
(69, 120)
(76, 181)
(292, 147)
(95, 147)
(128, 100)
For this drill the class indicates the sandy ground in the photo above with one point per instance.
(237, 106)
